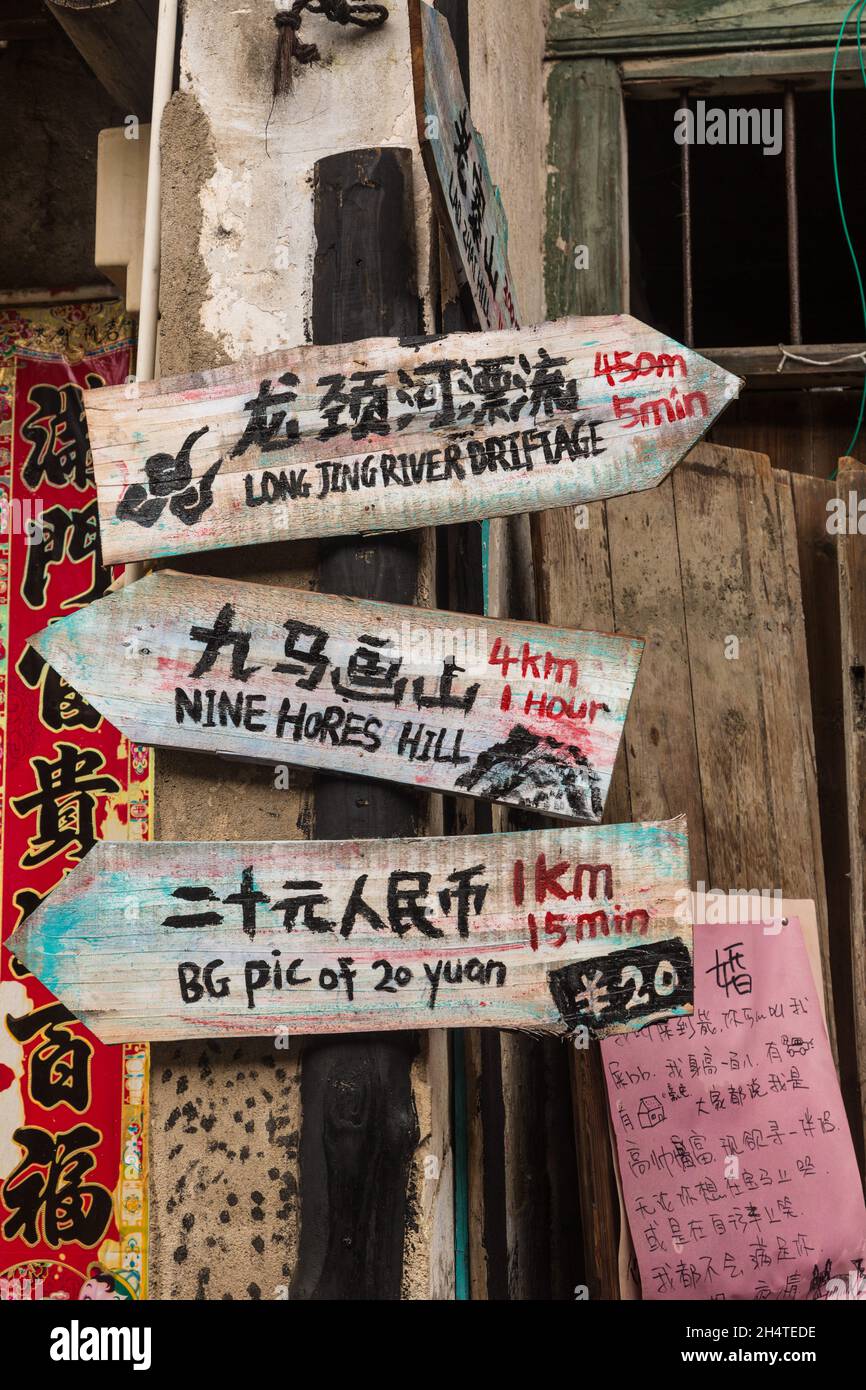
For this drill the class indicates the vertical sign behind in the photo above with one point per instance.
(72, 1163)
(468, 201)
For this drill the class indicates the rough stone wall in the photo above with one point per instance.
(188, 163)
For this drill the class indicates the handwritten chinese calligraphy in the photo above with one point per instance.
(738, 1171)
(71, 1202)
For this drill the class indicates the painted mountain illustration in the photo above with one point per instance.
(542, 772)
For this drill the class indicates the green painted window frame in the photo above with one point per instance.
(617, 27)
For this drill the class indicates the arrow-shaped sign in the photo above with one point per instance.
(390, 436)
(545, 930)
(518, 713)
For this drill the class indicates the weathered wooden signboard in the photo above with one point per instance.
(470, 209)
(546, 930)
(517, 713)
(389, 436)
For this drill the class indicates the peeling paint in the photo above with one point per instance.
(256, 207)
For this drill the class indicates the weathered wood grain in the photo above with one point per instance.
(620, 26)
(545, 931)
(819, 576)
(586, 190)
(852, 591)
(736, 73)
(749, 677)
(766, 367)
(385, 435)
(572, 572)
(573, 575)
(466, 198)
(709, 556)
(517, 713)
(663, 765)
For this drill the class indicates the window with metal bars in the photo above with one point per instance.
(734, 248)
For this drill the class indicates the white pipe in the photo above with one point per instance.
(163, 73)
(148, 318)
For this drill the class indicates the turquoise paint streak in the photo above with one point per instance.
(462, 1267)
(461, 1171)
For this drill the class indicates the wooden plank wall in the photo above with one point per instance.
(723, 548)
(852, 590)
(801, 431)
(819, 571)
(706, 568)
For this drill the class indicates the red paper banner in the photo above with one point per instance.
(73, 1202)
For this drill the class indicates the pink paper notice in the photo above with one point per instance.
(738, 1171)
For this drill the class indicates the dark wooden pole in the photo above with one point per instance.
(530, 1244)
(359, 1126)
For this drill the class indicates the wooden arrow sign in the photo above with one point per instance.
(517, 713)
(546, 930)
(389, 436)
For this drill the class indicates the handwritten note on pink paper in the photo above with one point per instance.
(738, 1171)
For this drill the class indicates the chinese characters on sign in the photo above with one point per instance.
(738, 1171)
(548, 930)
(387, 435)
(522, 714)
(470, 208)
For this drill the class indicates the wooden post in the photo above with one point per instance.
(520, 1144)
(461, 552)
(221, 301)
(587, 163)
(359, 1127)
